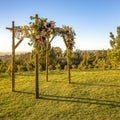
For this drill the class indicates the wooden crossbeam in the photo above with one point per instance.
(18, 43)
(9, 28)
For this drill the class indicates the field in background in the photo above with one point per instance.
(92, 95)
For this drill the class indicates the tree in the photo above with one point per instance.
(2, 66)
(100, 60)
(114, 52)
(76, 57)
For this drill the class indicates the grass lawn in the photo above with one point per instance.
(92, 95)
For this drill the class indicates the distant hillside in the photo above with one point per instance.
(5, 53)
(9, 53)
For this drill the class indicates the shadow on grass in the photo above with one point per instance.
(80, 100)
(23, 92)
(75, 99)
(4, 76)
(91, 84)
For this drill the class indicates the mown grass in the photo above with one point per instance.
(92, 95)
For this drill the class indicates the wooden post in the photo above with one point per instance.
(36, 77)
(47, 60)
(13, 62)
(13, 57)
(68, 65)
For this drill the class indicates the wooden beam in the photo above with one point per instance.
(9, 28)
(13, 57)
(18, 43)
(36, 77)
(47, 49)
(68, 65)
(64, 40)
(52, 39)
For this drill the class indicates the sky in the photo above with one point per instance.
(92, 20)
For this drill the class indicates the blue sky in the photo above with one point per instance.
(92, 20)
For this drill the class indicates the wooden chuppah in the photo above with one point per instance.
(66, 33)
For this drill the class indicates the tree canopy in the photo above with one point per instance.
(114, 52)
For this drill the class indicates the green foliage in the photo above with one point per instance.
(21, 68)
(57, 58)
(76, 57)
(114, 53)
(101, 64)
(2, 68)
(51, 67)
(65, 67)
(30, 66)
(82, 66)
(68, 36)
(8, 71)
(58, 67)
(5, 64)
(41, 31)
(74, 66)
(40, 68)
